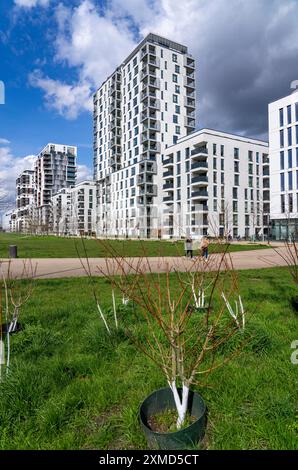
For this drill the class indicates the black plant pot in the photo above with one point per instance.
(16, 329)
(162, 400)
(294, 302)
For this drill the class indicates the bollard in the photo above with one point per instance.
(13, 251)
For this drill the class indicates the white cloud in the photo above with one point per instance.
(68, 100)
(84, 173)
(31, 3)
(243, 60)
(10, 168)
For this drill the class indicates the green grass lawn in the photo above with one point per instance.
(58, 247)
(73, 387)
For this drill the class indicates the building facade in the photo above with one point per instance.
(216, 184)
(55, 169)
(140, 110)
(74, 210)
(283, 149)
(25, 202)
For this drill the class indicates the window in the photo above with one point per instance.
(281, 117)
(222, 150)
(282, 204)
(177, 109)
(281, 138)
(282, 160)
(290, 178)
(174, 57)
(214, 149)
(177, 89)
(235, 193)
(289, 114)
(250, 156)
(214, 177)
(236, 180)
(175, 119)
(236, 167)
(177, 129)
(296, 135)
(214, 163)
(282, 181)
(290, 202)
(175, 98)
(222, 164)
(236, 153)
(175, 78)
(289, 136)
(296, 111)
(177, 69)
(290, 160)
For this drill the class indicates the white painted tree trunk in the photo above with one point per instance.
(114, 308)
(181, 404)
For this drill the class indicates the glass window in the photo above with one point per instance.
(296, 111)
(281, 117)
(174, 57)
(236, 153)
(289, 114)
(175, 78)
(282, 160)
(214, 149)
(290, 186)
(281, 138)
(282, 181)
(282, 203)
(290, 202)
(289, 136)
(222, 150)
(290, 160)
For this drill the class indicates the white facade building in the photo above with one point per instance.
(216, 184)
(55, 168)
(283, 150)
(24, 202)
(74, 210)
(143, 107)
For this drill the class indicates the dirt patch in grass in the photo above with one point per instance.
(167, 421)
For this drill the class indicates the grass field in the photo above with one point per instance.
(56, 247)
(73, 387)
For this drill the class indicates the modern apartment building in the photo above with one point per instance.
(24, 201)
(215, 183)
(74, 210)
(140, 110)
(55, 168)
(283, 150)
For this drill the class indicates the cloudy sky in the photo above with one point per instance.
(55, 53)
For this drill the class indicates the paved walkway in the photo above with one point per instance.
(72, 267)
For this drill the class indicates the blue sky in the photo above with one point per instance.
(55, 53)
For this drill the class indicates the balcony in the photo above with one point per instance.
(189, 62)
(148, 167)
(152, 124)
(199, 180)
(148, 113)
(148, 190)
(151, 146)
(144, 178)
(189, 102)
(148, 136)
(266, 170)
(189, 122)
(152, 103)
(168, 199)
(148, 72)
(169, 186)
(199, 166)
(147, 94)
(168, 162)
(199, 151)
(189, 83)
(168, 174)
(202, 194)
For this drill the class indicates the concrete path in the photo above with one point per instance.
(71, 267)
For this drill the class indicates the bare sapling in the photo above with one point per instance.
(15, 293)
(185, 346)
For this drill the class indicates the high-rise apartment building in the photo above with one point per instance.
(55, 168)
(283, 149)
(140, 110)
(215, 183)
(74, 210)
(24, 201)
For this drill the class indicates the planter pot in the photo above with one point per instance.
(294, 302)
(162, 400)
(16, 328)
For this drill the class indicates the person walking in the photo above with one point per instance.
(204, 247)
(188, 247)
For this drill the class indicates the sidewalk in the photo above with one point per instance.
(71, 267)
